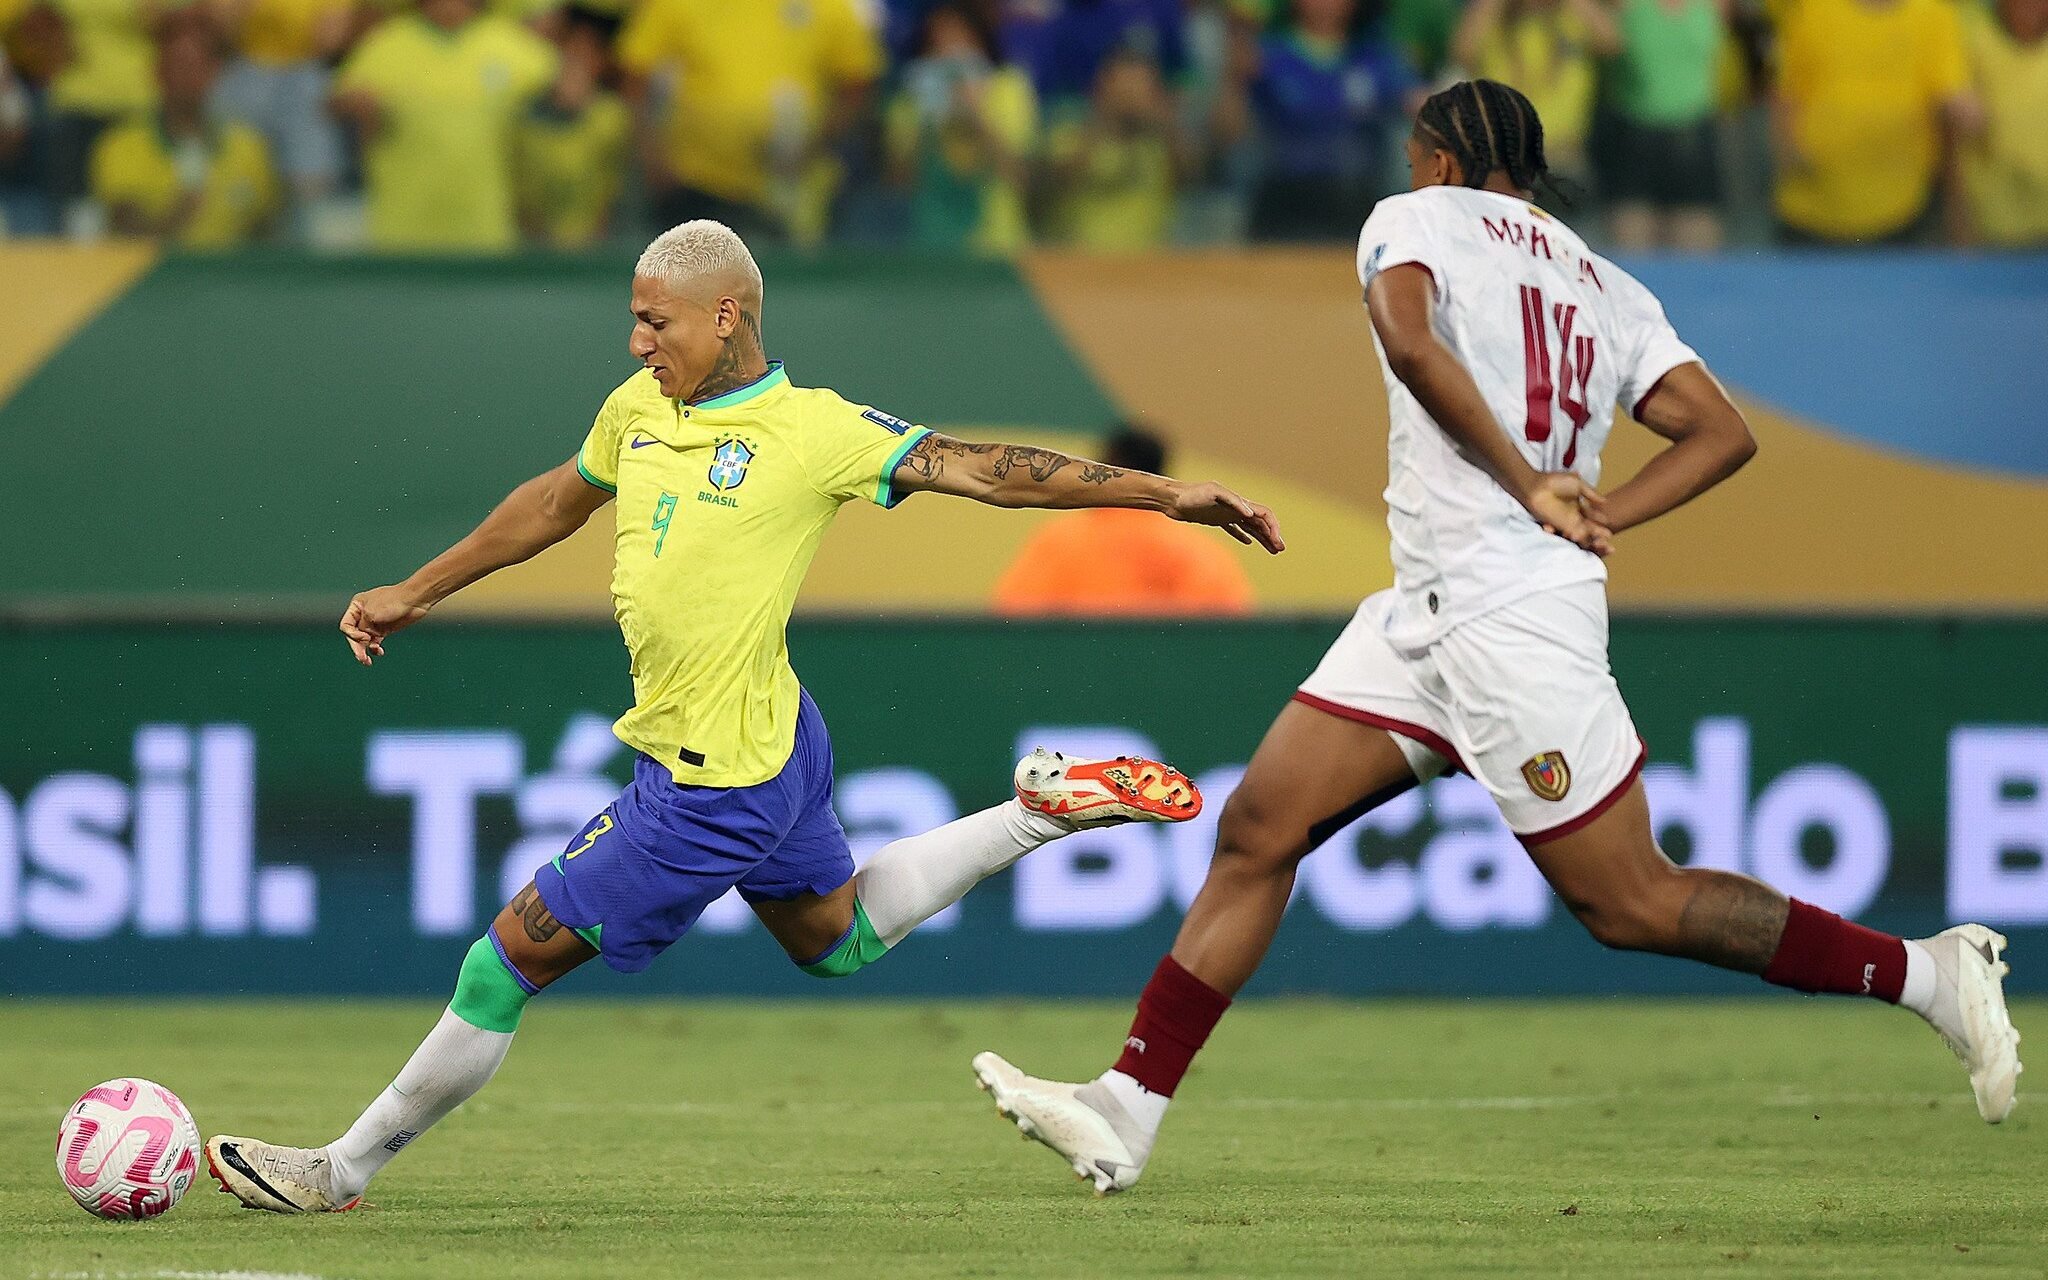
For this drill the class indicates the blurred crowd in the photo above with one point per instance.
(985, 126)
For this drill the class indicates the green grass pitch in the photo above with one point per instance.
(1777, 1137)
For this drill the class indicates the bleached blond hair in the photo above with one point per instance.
(698, 248)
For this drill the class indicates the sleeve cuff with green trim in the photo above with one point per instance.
(586, 473)
(886, 495)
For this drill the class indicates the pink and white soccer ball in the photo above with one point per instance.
(127, 1149)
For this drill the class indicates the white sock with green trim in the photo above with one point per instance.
(913, 879)
(451, 1064)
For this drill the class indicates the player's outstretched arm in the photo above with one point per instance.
(1710, 441)
(532, 518)
(1016, 475)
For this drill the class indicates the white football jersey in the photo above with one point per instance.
(1554, 335)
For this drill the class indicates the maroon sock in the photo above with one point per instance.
(1824, 953)
(1175, 1016)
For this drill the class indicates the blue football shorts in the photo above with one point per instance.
(641, 872)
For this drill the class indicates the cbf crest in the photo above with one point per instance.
(1547, 775)
(729, 464)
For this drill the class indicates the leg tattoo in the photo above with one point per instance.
(1731, 921)
(539, 922)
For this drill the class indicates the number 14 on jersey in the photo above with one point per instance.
(1567, 391)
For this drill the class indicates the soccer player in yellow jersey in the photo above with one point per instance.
(178, 173)
(434, 96)
(723, 475)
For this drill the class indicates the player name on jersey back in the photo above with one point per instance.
(1537, 235)
(1554, 335)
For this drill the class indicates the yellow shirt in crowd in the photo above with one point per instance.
(136, 165)
(721, 506)
(947, 154)
(1549, 58)
(738, 76)
(440, 171)
(1864, 81)
(113, 70)
(570, 168)
(278, 33)
(1122, 201)
(2005, 172)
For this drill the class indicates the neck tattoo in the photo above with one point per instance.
(739, 362)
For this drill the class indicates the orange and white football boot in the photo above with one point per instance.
(1101, 793)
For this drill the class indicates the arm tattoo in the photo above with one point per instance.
(1041, 463)
(927, 459)
(539, 922)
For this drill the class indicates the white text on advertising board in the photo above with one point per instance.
(170, 848)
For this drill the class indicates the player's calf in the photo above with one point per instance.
(1716, 917)
(524, 951)
(1630, 896)
(458, 1057)
(1261, 838)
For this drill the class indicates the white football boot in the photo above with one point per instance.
(1089, 1129)
(280, 1179)
(1099, 793)
(1969, 1013)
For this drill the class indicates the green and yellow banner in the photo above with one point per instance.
(259, 436)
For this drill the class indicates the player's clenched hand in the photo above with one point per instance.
(375, 614)
(1572, 509)
(1241, 518)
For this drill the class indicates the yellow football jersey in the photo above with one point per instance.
(733, 76)
(109, 74)
(440, 171)
(569, 168)
(720, 507)
(228, 171)
(2006, 171)
(1865, 84)
(278, 33)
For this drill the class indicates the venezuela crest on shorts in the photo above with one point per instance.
(1547, 775)
(729, 464)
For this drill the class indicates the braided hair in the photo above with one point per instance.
(1489, 128)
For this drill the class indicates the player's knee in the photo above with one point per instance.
(1252, 837)
(489, 991)
(859, 947)
(1613, 928)
(1642, 919)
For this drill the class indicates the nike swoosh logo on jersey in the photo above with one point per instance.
(638, 443)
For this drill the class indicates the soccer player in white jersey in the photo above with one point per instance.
(1505, 344)
(723, 476)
